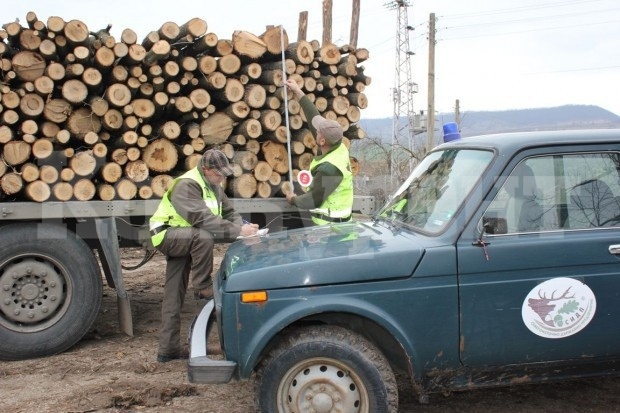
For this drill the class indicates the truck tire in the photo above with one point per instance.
(50, 290)
(326, 369)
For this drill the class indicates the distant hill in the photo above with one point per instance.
(487, 122)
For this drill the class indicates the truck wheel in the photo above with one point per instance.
(50, 290)
(326, 369)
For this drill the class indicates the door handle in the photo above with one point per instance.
(614, 249)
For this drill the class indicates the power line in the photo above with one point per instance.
(584, 69)
(511, 10)
(529, 30)
(531, 19)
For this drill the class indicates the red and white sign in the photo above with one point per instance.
(304, 177)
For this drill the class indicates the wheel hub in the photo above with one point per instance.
(322, 403)
(323, 388)
(31, 291)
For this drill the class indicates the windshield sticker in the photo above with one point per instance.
(558, 308)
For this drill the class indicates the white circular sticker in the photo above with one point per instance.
(558, 308)
(304, 177)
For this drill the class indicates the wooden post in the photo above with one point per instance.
(355, 22)
(302, 30)
(327, 22)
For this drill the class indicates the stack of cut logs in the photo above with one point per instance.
(86, 116)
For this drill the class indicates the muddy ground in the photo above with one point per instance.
(111, 372)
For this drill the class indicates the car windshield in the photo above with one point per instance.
(436, 188)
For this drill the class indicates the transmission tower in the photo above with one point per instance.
(403, 131)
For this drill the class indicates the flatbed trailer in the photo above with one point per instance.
(52, 255)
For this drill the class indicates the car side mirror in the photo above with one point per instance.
(494, 226)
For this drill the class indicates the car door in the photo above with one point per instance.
(546, 286)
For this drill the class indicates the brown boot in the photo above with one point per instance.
(204, 294)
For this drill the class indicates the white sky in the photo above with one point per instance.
(490, 54)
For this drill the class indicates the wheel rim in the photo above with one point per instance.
(322, 385)
(34, 293)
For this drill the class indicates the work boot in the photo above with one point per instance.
(204, 294)
(181, 355)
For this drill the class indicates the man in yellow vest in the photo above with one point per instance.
(330, 195)
(192, 215)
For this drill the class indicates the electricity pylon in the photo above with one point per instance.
(403, 131)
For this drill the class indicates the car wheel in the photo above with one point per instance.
(326, 369)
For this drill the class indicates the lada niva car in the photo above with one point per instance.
(496, 262)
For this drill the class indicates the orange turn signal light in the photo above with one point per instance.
(254, 297)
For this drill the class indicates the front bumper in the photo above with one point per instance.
(201, 368)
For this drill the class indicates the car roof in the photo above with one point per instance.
(514, 141)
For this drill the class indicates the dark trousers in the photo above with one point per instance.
(188, 251)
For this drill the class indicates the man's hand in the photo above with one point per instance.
(294, 88)
(289, 197)
(247, 230)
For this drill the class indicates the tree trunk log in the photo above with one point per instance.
(29, 172)
(247, 160)
(106, 192)
(16, 152)
(111, 172)
(145, 192)
(276, 155)
(229, 64)
(160, 184)
(243, 186)
(37, 191)
(62, 191)
(126, 189)
(301, 52)
(11, 183)
(84, 190)
(255, 96)
(262, 171)
(160, 156)
(248, 44)
(74, 91)
(42, 149)
(137, 171)
(48, 174)
(216, 128)
(83, 163)
(28, 65)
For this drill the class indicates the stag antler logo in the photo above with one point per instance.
(551, 316)
(543, 307)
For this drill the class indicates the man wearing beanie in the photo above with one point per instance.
(330, 195)
(192, 215)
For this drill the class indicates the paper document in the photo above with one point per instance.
(259, 233)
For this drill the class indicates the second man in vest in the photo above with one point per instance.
(330, 196)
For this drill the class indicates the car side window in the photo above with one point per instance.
(558, 192)
(593, 194)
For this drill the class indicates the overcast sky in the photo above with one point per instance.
(490, 54)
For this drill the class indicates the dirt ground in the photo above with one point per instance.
(111, 372)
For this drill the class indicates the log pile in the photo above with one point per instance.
(86, 116)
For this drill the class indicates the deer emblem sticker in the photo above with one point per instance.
(558, 308)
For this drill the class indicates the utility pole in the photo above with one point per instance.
(430, 129)
(457, 113)
(403, 135)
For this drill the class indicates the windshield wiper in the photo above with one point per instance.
(390, 220)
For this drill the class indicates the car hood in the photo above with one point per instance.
(330, 254)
